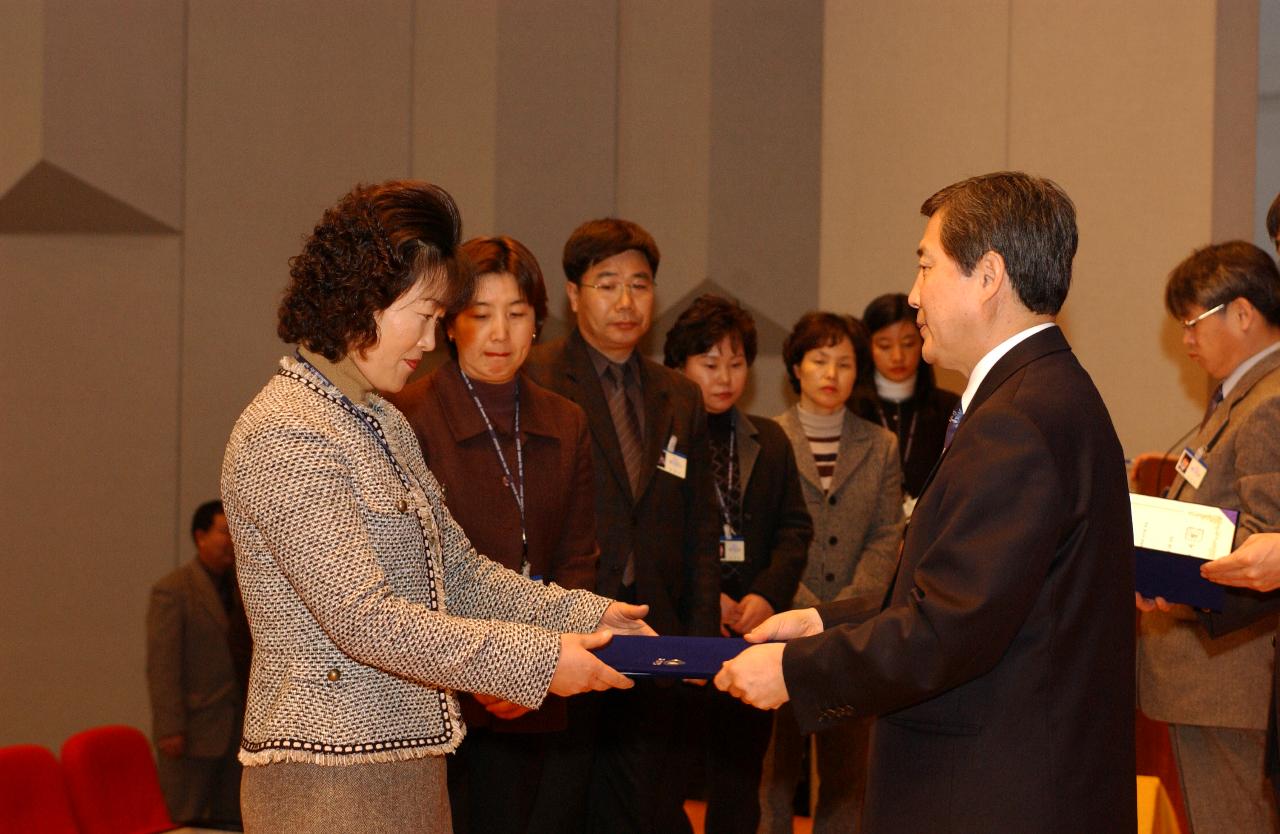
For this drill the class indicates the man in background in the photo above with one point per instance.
(198, 650)
(1213, 693)
(656, 518)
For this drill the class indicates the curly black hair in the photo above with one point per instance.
(370, 247)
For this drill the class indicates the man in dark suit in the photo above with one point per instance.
(198, 649)
(655, 507)
(1000, 668)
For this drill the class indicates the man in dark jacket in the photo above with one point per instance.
(198, 649)
(1001, 668)
(655, 506)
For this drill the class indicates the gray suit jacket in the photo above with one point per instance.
(857, 523)
(191, 675)
(1184, 675)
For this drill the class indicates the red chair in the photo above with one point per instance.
(111, 778)
(33, 799)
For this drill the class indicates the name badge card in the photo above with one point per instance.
(732, 548)
(672, 462)
(1191, 467)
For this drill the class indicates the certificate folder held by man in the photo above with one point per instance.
(673, 657)
(1172, 539)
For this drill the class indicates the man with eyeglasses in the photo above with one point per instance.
(655, 519)
(1213, 689)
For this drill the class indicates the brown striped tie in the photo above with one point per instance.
(627, 426)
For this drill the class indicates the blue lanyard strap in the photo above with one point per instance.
(724, 509)
(517, 493)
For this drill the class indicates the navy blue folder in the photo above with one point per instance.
(1177, 578)
(672, 657)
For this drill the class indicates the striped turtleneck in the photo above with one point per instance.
(823, 433)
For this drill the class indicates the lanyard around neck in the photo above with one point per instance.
(724, 509)
(911, 432)
(517, 493)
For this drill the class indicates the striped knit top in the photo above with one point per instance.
(823, 433)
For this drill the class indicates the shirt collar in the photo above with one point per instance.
(602, 363)
(986, 363)
(1246, 366)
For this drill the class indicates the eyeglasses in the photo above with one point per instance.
(613, 290)
(1191, 323)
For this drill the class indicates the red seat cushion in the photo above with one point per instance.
(33, 797)
(111, 779)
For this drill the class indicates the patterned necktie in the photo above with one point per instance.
(957, 414)
(627, 426)
(1214, 402)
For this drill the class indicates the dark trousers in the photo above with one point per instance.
(737, 737)
(494, 779)
(615, 769)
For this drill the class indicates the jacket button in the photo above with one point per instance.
(831, 577)
(334, 674)
(402, 505)
(832, 500)
(832, 540)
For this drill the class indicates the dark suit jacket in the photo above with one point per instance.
(197, 661)
(776, 524)
(1001, 668)
(559, 505)
(672, 524)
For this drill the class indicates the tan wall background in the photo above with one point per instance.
(161, 160)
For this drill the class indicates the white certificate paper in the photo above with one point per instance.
(1181, 527)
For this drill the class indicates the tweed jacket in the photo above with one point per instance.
(776, 524)
(191, 671)
(1001, 669)
(560, 516)
(672, 524)
(857, 522)
(367, 603)
(1184, 675)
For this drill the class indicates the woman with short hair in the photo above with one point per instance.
(368, 605)
(514, 460)
(765, 537)
(852, 485)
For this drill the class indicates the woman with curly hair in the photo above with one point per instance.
(368, 605)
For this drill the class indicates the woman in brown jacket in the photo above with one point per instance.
(515, 462)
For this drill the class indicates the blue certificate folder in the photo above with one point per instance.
(1171, 540)
(672, 657)
(1158, 573)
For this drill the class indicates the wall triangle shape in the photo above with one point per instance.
(50, 200)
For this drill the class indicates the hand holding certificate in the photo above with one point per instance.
(1172, 539)
(755, 676)
(1254, 565)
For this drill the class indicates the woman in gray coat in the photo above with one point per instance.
(852, 483)
(368, 606)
